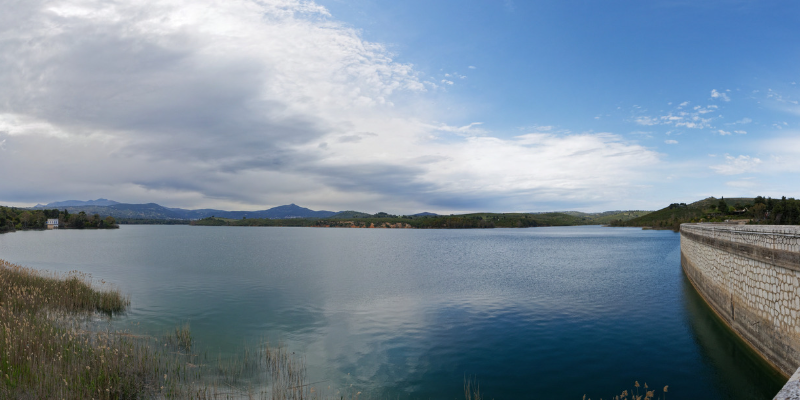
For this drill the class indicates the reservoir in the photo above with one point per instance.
(550, 313)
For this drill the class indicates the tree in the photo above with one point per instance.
(722, 206)
(78, 221)
(25, 219)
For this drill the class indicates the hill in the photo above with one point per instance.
(351, 214)
(706, 210)
(152, 211)
(76, 203)
(602, 218)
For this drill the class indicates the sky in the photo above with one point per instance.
(403, 107)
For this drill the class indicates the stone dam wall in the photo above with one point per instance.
(750, 276)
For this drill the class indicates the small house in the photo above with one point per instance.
(52, 223)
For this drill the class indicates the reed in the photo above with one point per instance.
(46, 350)
(181, 339)
(472, 390)
(29, 290)
(635, 394)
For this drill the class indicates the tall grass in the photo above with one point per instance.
(46, 353)
(636, 394)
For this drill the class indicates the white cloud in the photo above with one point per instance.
(692, 119)
(723, 133)
(671, 141)
(744, 121)
(472, 67)
(646, 120)
(740, 132)
(781, 99)
(243, 104)
(736, 165)
(445, 81)
(719, 95)
(472, 128)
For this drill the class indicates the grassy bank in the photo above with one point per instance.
(46, 353)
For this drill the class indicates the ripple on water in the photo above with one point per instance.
(533, 313)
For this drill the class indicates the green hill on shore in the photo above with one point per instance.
(758, 210)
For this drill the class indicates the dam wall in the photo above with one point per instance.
(750, 276)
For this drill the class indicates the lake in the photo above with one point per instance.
(530, 313)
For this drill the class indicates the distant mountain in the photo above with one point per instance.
(155, 211)
(77, 203)
(425, 214)
(350, 214)
(290, 211)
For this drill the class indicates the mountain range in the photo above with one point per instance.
(153, 211)
(76, 203)
(106, 207)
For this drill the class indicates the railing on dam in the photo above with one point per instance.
(750, 276)
(778, 245)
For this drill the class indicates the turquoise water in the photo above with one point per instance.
(532, 313)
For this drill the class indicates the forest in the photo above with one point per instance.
(20, 219)
(758, 210)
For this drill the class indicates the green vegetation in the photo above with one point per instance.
(15, 219)
(151, 221)
(757, 210)
(45, 354)
(383, 220)
(606, 217)
(354, 219)
(351, 214)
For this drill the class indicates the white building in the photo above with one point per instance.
(52, 223)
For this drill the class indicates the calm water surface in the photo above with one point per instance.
(533, 313)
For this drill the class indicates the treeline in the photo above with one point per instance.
(151, 221)
(776, 212)
(16, 219)
(383, 220)
(759, 210)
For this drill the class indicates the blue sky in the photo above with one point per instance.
(447, 106)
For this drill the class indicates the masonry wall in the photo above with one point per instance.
(750, 275)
